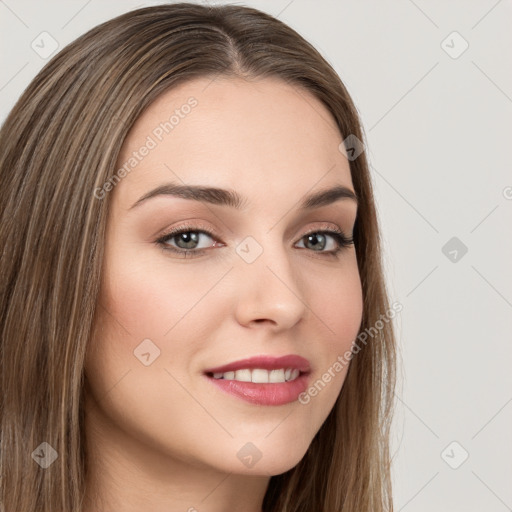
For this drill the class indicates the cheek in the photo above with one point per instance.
(146, 298)
(140, 302)
(149, 298)
(337, 303)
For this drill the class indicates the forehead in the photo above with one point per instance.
(257, 137)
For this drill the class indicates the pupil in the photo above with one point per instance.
(187, 238)
(315, 237)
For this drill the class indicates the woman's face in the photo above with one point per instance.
(261, 285)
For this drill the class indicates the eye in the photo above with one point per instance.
(319, 239)
(186, 241)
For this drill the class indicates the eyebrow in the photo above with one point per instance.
(231, 198)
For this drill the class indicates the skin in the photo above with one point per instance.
(161, 437)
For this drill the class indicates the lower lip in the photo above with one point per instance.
(276, 393)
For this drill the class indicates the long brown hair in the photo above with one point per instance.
(59, 144)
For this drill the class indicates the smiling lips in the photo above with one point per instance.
(263, 380)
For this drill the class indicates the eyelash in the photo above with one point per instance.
(338, 235)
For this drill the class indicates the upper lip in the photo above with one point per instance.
(265, 362)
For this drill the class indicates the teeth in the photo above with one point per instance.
(243, 375)
(259, 375)
(294, 375)
(276, 376)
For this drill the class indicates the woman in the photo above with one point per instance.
(192, 293)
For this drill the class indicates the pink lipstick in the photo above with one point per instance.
(263, 380)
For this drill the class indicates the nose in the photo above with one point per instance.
(270, 291)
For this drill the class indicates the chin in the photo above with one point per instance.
(266, 458)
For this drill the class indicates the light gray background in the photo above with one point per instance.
(438, 133)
